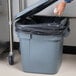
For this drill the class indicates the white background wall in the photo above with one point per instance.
(15, 11)
(71, 40)
(69, 11)
(4, 27)
(3, 6)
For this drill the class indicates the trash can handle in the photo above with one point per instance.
(35, 8)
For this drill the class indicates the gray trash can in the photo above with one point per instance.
(41, 41)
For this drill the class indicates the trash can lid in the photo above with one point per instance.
(40, 5)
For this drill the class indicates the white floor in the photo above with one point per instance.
(68, 67)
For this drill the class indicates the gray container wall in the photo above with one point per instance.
(41, 54)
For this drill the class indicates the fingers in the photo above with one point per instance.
(59, 9)
(55, 11)
(59, 13)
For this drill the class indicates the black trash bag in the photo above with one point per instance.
(43, 25)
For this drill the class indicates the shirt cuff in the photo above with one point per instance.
(68, 1)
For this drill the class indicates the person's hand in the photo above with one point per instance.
(60, 8)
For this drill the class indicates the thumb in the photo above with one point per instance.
(55, 11)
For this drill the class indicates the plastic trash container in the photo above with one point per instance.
(41, 41)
